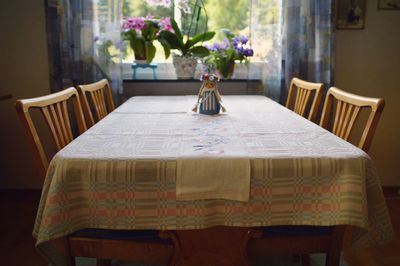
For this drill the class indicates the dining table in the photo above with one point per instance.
(153, 163)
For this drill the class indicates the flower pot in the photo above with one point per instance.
(227, 70)
(140, 59)
(185, 66)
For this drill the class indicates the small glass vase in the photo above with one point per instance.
(227, 70)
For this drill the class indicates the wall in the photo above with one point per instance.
(24, 73)
(368, 63)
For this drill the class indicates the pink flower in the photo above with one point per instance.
(165, 24)
(133, 24)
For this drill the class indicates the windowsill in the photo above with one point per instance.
(185, 80)
(147, 87)
(166, 72)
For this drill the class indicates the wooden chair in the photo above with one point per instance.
(103, 245)
(304, 93)
(348, 107)
(304, 240)
(54, 108)
(101, 97)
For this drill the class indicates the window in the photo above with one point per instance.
(258, 19)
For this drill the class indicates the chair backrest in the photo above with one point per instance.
(348, 107)
(101, 97)
(305, 93)
(54, 108)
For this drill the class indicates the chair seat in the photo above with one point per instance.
(148, 236)
(296, 230)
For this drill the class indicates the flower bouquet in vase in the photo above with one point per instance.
(223, 55)
(190, 48)
(187, 35)
(142, 32)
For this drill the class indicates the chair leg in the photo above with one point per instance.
(296, 258)
(333, 256)
(72, 261)
(100, 262)
(305, 259)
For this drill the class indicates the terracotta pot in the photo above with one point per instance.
(185, 66)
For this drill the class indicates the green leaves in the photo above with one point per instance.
(150, 52)
(175, 41)
(166, 46)
(137, 46)
(172, 39)
(200, 51)
(202, 37)
(142, 43)
(177, 31)
(230, 53)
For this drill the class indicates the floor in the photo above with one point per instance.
(18, 209)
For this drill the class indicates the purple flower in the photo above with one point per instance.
(210, 47)
(240, 49)
(218, 47)
(243, 39)
(239, 43)
(239, 40)
(248, 52)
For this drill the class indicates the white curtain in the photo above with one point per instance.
(84, 38)
(266, 40)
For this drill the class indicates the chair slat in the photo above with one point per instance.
(342, 115)
(337, 117)
(352, 121)
(55, 112)
(303, 91)
(306, 99)
(56, 122)
(52, 127)
(100, 102)
(346, 121)
(298, 97)
(63, 128)
(67, 121)
(302, 99)
(101, 97)
(348, 108)
(96, 103)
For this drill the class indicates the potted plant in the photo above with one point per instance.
(190, 48)
(141, 33)
(224, 54)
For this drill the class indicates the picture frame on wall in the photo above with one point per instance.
(389, 4)
(351, 14)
